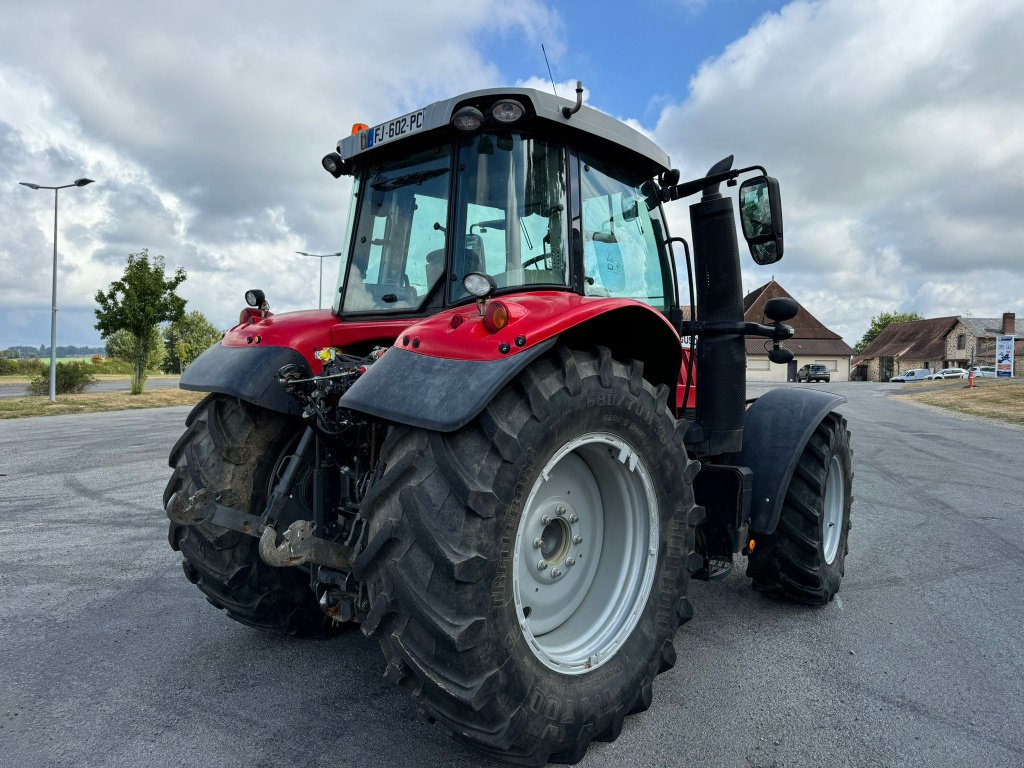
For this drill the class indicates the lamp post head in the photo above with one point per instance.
(82, 182)
(29, 185)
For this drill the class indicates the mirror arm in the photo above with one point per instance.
(687, 188)
(776, 332)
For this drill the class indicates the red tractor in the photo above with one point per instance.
(509, 446)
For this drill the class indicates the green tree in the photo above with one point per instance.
(186, 339)
(143, 298)
(121, 346)
(881, 322)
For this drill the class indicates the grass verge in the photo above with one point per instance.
(993, 399)
(21, 407)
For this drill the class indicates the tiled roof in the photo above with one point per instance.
(916, 340)
(811, 336)
(990, 327)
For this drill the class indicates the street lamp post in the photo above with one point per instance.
(320, 297)
(53, 308)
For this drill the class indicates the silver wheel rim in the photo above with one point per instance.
(835, 502)
(585, 553)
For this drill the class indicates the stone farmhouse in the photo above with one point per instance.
(939, 342)
(812, 342)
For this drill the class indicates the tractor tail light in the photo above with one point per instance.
(495, 316)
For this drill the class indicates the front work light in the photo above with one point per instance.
(254, 297)
(507, 111)
(468, 119)
(333, 164)
(479, 285)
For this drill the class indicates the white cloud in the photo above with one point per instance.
(204, 130)
(894, 131)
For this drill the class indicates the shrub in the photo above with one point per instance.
(8, 367)
(32, 366)
(97, 359)
(71, 378)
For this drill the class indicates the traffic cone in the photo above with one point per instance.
(970, 379)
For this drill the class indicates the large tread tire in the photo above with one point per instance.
(438, 562)
(231, 446)
(791, 564)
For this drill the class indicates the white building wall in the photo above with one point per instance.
(760, 368)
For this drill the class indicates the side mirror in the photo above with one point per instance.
(761, 218)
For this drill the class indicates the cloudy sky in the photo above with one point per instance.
(895, 128)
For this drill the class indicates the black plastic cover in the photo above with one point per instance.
(433, 392)
(248, 373)
(776, 429)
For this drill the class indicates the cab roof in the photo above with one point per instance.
(587, 122)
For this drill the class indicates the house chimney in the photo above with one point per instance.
(1009, 323)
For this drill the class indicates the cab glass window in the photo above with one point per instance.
(621, 252)
(511, 212)
(398, 248)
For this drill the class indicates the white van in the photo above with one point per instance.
(916, 374)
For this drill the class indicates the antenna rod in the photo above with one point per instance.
(552, 77)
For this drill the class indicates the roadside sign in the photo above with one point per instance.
(1004, 356)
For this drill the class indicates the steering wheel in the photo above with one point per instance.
(536, 260)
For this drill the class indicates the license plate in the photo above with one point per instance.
(394, 129)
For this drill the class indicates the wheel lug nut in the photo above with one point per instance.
(542, 565)
(574, 518)
(570, 561)
(577, 539)
(545, 520)
(537, 543)
(556, 572)
(559, 510)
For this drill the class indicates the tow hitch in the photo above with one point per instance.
(298, 545)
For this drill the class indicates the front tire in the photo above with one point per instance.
(805, 559)
(237, 449)
(461, 522)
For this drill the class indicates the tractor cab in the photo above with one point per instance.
(503, 184)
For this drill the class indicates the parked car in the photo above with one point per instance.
(917, 374)
(813, 372)
(947, 373)
(980, 371)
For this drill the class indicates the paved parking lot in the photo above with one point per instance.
(111, 658)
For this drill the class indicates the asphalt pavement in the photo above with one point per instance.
(111, 658)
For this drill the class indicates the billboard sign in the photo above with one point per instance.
(1004, 356)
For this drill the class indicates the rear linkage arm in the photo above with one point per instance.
(299, 543)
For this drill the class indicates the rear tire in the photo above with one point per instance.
(450, 534)
(805, 559)
(235, 448)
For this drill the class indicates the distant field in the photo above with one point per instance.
(21, 407)
(992, 398)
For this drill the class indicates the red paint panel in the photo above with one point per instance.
(535, 316)
(310, 330)
(681, 385)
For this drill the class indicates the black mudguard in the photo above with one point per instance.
(248, 373)
(776, 429)
(434, 393)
